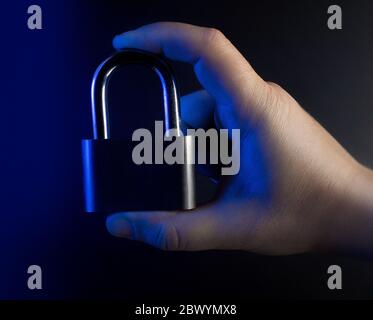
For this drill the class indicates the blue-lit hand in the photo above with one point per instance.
(297, 189)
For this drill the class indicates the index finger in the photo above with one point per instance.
(219, 66)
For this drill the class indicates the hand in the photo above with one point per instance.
(297, 189)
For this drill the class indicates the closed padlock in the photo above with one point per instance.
(112, 181)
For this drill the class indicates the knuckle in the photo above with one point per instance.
(163, 24)
(277, 102)
(167, 237)
(274, 85)
(214, 36)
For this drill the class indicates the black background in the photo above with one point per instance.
(46, 102)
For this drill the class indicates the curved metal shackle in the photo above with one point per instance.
(100, 112)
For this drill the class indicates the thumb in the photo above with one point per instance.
(200, 229)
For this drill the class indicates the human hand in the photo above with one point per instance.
(297, 189)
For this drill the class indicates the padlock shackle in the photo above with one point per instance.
(100, 112)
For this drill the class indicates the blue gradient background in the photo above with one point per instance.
(45, 111)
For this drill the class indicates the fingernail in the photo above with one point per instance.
(116, 41)
(120, 40)
(119, 226)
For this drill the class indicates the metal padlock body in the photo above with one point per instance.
(112, 181)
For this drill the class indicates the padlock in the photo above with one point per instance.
(112, 181)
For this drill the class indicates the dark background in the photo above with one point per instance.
(45, 110)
